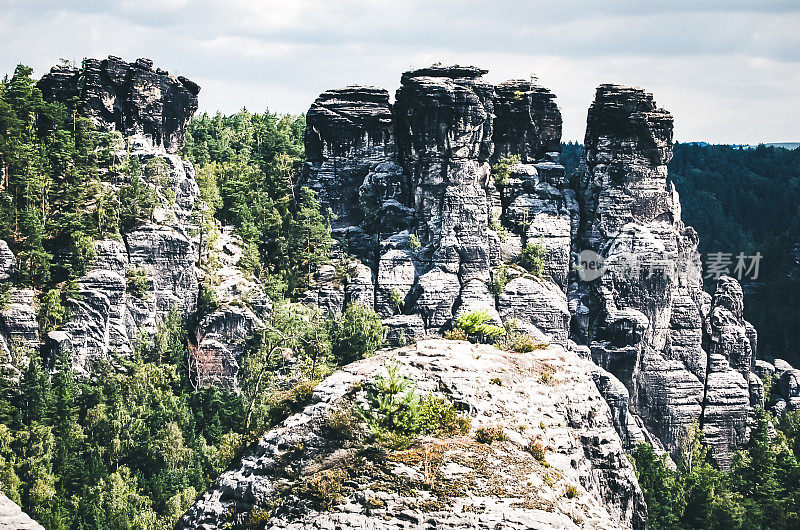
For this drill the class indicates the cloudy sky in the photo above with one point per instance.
(728, 70)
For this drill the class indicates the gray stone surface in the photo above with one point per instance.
(132, 98)
(568, 415)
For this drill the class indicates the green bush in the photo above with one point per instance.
(136, 282)
(395, 415)
(51, 312)
(357, 333)
(476, 324)
(502, 168)
(532, 258)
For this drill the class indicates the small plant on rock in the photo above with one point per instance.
(487, 435)
(136, 282)
(537, 450)
(397, 300)
(572, 492)
(499, 280)
(502, 169)
(456, 334)
(477, 324)
(532, 258)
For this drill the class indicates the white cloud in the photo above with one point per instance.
(729, 72)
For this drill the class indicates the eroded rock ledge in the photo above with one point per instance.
(452, 482)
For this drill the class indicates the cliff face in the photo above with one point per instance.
(132, 98)
(300, 475)
(433, 227)
(109, 314)
(647, 319)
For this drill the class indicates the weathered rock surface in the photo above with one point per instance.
(132, 98)
(13, 518)
(646, 318)
(415, 199)
(19, 330)
(243, 306)
(112, 311)
(489, 486)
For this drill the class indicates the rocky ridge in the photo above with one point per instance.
(132, 98)
(110, 314)
(437, 227)
(449, 482)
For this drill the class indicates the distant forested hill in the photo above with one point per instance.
(745, 200)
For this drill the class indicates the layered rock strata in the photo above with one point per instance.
(420, 209)
(153, 272)
(440, 217)
(132, 98)
(684, 358)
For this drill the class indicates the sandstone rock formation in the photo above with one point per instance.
(487, 485)
(426, 208)
(416, 203)
(109, 315)
(684, 359)
(132, 98)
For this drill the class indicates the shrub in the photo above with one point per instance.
(520, 343)
(341, 424)
(357, 333)
(323, 488)
(136, 282)
(414, 241)
(499, 280)
(572, 492)
(395, 416)
(456, 334)
(502, 169)
(439, 417)
(537, 450)
(532, 258)
(397, 300)
(487, 435)
(496, 381)
(476, 323)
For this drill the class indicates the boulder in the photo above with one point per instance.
(533, 302)
(482, 482)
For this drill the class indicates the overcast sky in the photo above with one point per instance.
(729, 71)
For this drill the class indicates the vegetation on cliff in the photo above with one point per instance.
(759, 491)
(133, 446)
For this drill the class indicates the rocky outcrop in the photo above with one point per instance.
(487, 486)
(132, 98)
(646, 318)
(151, 273)
(13, 518)
(416, 201)
(242, 308)
(527, 121)
(438, 210)
(19, 329)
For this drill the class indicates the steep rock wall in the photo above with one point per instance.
(438, 225)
